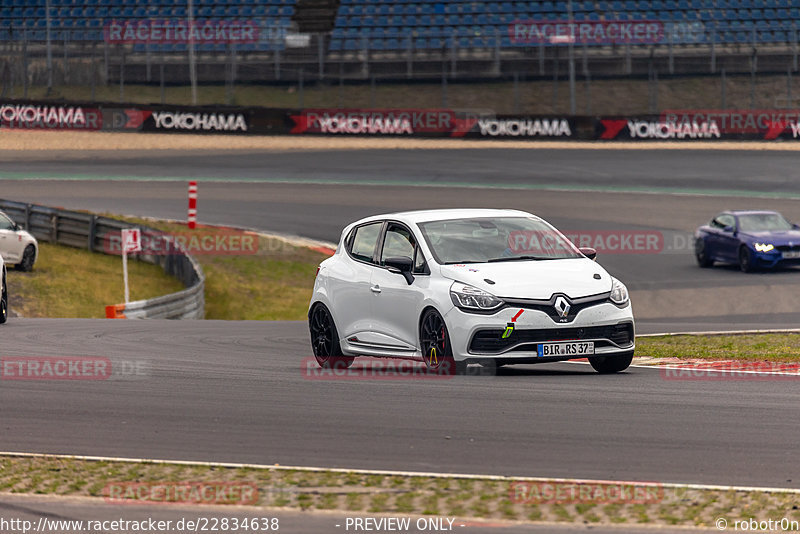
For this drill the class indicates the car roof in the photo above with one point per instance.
(446, 214)
(751, 212)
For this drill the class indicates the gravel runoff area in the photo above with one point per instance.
(17, 140)
(462, 496)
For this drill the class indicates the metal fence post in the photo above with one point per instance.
(628, 59)
(365, 57)
(724, 89)
(94, 71)
(671, 53)
(341, 85)
(444, 83)
(588, 79)
(122, 76)
(320, 56)
(541, 59)
(105, 60)
(713, 47)
(789, 87)
(372, 92)
(276, 58)
(496, 65)
(161, 83)
(453, 57)
(410, 58)
(516, 92)
(753, 67)
(555, 79)
(66, 60)
(794, 45)
(25, 63)
(300, 90)
(147, 60)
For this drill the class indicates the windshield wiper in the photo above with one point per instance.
(519, 258)
(463, 261)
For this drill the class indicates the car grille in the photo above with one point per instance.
(787, 248)
(548, 307)
(489, 341)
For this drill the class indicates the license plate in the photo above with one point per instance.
(576, 349)
(791, 254)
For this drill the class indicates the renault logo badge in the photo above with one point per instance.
(562, 307)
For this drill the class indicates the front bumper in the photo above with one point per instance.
(772, 259)
(476, 337)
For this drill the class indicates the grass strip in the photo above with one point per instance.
(749, 347)
(464, 498)
(272, 280)
(73, 282)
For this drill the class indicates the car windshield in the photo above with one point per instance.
(763, 222)
(481, 240)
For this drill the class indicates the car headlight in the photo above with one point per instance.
(763, 247)
(619, 293)
(472, 298)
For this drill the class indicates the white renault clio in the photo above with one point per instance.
(452, 287)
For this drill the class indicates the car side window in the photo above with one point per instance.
(364, 240)
(6, 223)
(398, 242)
(726, 220)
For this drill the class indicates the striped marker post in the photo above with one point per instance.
(192, 218)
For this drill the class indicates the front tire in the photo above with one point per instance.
(606, 365)
(434, 341)
(701, 255)
(325, 340)
(745, 260)
(28, 258)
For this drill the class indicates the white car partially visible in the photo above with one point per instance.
(3, 293)
(17, 246)
(452, 287)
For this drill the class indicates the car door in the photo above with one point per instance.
(396, 304)
(727, 247)
(713, 240)
(11, 245)
(349, 282)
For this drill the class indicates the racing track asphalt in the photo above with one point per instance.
(237, 392)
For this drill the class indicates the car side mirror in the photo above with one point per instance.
(729, 229)
(796, 226)
(589, 253)
(401, 265)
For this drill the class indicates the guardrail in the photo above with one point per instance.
(93, 232)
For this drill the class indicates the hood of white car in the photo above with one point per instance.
(534, 279)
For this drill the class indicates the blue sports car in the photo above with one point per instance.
(751, 239)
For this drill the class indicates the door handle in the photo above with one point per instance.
(375, 289)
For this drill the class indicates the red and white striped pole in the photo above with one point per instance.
(192, 205)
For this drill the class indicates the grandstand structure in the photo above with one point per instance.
(318, 39)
